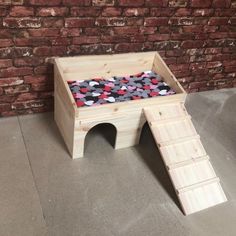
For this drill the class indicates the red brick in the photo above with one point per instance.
(79, 22)
(213, 50)
(115, 21)
(3, 11)
(61, 41)
(126, 30)
(183, 12)
(200, 3)
(192, 44)
(225, 12)
(28, 61)
(26, 96)
(41, 87)
(14, 71)
(115, 39)
(162, 11)
(31, 41)
(128, 47)
(134, 21)
(52, 22)
(22, 51)
(218, 21)
(221, 3)
(68, 32)
(148, 30)
(203, 12)
(158, 37)
(178, 3)
(156, 21)
(133, 3)
(17, 11)
(10, 81)
(17, 89)
(6, 52)
(85, 11)
(103, 2)
(52, 11)
(6, 43)
(42, 51)
(5, 63)
(86, 40)
(45, 3)
(77, 2)
(111, 11)
(32, 79)
(96, 48)
(22, 22)
(156, 3)
(193, 29)
(5, 107)
(136, 12)
(44, 32)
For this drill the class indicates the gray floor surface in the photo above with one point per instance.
(110, 192)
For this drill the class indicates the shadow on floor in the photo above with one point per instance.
(152, 158)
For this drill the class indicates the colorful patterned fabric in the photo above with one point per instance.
(99, 91)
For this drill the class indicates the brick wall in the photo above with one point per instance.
(197, 39)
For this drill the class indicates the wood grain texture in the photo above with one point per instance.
(188, 166)
(127, 117)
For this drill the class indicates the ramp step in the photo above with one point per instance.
(179, 152)
(170, 120)
(187, 162)
(202, 197)
(188, 165)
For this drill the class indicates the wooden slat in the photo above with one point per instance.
(182, 151)
(198, 185)
(186, 162)
(192, 174)
(170, 120)
(179, 140)
(202, 198)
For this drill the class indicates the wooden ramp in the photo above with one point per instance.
(188, 165)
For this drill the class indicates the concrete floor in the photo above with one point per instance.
(124, 192)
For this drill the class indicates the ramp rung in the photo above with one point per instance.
(197, 185)
(170, 120)
(179, 140)
(187, 162)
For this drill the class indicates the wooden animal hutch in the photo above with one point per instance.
(187, 163)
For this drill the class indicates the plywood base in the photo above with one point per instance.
(185, 158)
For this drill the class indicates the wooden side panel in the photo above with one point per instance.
(87, 67)
(64, 110)
(161, 68)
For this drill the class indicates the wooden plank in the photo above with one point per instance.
(183, 151)
(170, 120)
(168, 132)
(202, 198)
(161, 68)
(192, 174)
(179, 140)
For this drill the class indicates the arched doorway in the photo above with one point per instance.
(99, 136)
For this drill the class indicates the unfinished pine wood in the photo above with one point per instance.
(185, 158)
(127, 117)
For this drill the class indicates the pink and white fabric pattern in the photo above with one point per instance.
(100, 91)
